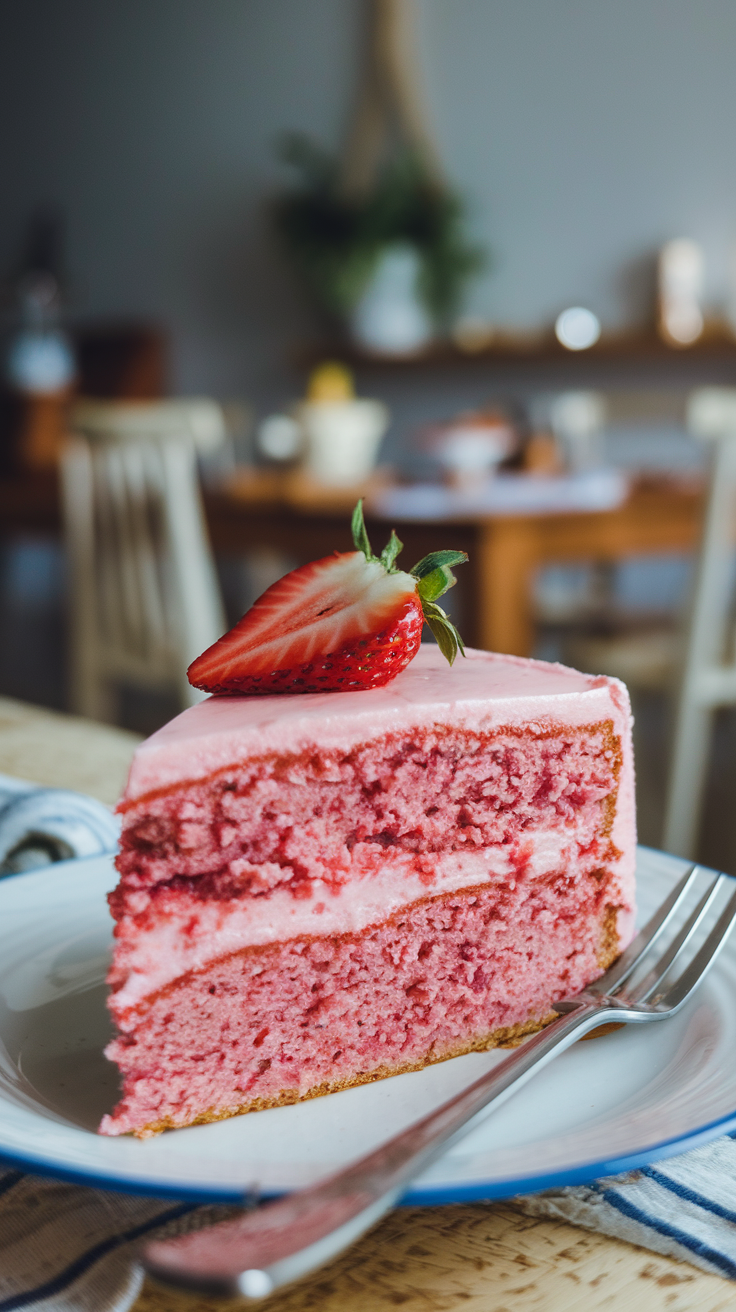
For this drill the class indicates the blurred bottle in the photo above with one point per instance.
(40, 360)
(40, 366)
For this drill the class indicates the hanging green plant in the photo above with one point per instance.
(337, 239)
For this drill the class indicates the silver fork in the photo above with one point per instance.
(255, 1253)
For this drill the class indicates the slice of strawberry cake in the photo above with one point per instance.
(325, 889)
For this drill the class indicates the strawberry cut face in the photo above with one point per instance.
(346, 622)
(322, 607)
(343, 606)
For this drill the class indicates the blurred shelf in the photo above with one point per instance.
(714, 354)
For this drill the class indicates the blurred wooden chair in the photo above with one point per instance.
(144, 593)
(646, 658)
(709, 672)
(643, 648)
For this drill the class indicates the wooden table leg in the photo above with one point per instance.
(507, 557)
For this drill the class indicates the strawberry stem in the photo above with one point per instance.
(391, 551)
(360, 533)
(361, 541)
(433, 574)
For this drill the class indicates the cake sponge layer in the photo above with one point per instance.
(327, 842)
(329, 815)
(290, 1020)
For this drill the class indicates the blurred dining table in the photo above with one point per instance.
(494, 605)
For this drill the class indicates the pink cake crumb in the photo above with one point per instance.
(316, 898)
(275, 1024)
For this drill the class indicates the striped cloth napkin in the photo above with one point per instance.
(64, 1248)
(684, 1207)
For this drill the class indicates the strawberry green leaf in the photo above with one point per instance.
(443, 630)
(435, 560)
(435, 584)
(360, 535)
(391, 551)
(445, 640)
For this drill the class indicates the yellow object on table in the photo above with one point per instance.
(330, 382)
(477, 1257)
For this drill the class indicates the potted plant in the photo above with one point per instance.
(391, 262)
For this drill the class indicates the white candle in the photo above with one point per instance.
(680, 290)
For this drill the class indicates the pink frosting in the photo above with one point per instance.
(483, 692)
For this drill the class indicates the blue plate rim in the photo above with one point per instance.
(427, 1196)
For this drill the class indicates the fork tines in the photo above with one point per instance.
(669, 977)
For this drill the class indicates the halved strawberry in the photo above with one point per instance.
(351, 620)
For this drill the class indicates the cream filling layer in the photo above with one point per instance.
(191, 933)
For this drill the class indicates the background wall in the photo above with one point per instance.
(584, 133)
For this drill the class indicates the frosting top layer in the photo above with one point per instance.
(482, 692)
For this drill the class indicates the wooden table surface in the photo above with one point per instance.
(479, 1257)
(496, 587)
(494, 602)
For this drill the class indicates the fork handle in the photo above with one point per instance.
(272, 1245)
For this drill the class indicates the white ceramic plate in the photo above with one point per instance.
(607, 1105)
